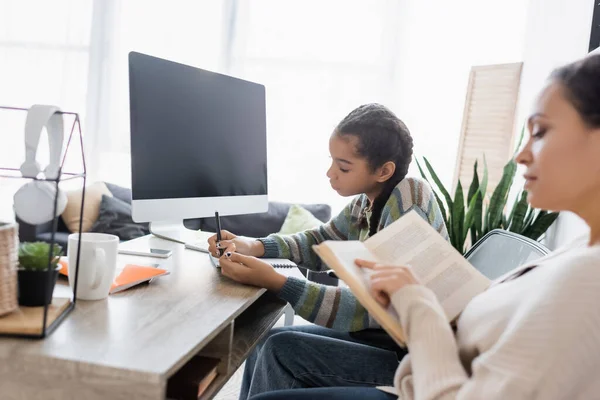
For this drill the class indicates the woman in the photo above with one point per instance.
(534, 333)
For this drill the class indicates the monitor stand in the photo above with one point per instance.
(177, 232)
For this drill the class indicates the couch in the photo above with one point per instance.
(252, 225)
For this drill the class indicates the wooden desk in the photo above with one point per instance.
(129, 345)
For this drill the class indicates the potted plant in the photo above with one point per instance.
(476, 215)
(36, 282)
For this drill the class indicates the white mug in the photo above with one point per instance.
(97, 264)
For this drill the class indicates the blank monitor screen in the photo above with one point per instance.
(194, 133)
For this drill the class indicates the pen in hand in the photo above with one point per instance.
(218, 222)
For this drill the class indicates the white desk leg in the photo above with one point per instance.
(289, 315)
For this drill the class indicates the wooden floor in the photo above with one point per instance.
(231, 390)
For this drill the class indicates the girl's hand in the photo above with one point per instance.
(230, 243)
(251, 271)
(387, 279)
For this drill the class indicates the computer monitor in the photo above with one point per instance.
(198, 144)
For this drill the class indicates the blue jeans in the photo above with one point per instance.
(341, 393)
(315, 357)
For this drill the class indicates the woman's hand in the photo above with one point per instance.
(387, 279)
(230, 243)
(251, 271)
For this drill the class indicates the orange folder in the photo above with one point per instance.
(130, 276)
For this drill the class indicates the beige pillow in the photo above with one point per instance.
(91, 206)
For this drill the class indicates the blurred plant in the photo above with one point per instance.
(34, 256)
(468, 215)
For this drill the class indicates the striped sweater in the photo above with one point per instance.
(336, 307)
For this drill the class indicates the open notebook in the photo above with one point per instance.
(275, 262)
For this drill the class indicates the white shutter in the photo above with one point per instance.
(488, 122)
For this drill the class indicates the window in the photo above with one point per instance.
(44, 59)
(186, 31)
(318, 61)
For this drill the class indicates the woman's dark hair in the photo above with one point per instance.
(581, 83)
(382, 137)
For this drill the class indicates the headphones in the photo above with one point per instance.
(34, 201)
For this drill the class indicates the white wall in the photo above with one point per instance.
(557, 32)
(439, 42)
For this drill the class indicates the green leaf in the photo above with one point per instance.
(422, 172)
(486, 221)
(504, 222)
(484, 180)
(531, 214)
(477, 219)
(519, 214)
(442, 208)
(499, 197)
(439, 184)
(437, 198)
(541, 225)
(474, 184)
(458, 217)
(539, 214)
(35, 256)
(472, 214)
(512, 212)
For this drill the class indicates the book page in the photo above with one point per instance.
(341, 256)
(412, 241)
(347, 252)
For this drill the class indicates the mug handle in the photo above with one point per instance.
(99, 261)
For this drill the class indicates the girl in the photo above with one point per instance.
(533, 334)
(371, 150)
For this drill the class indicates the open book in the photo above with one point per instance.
(408, 241)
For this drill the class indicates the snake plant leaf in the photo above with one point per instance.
(499, 197)
(441, 207)
(484, 179)
(437, 198)
(474, 184)
(458, 216)
(422, 172)
(476, 226)
(438, 183)
(472, 214)
(519, 213)
(541, 224)
(531, 215)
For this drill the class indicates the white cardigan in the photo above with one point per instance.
(535, 336)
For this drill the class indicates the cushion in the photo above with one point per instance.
(115, 218)
(121, 193)
(61, 238)
(298, 219)
(91, 207)
(263, 224)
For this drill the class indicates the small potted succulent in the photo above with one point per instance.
(35, 288)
